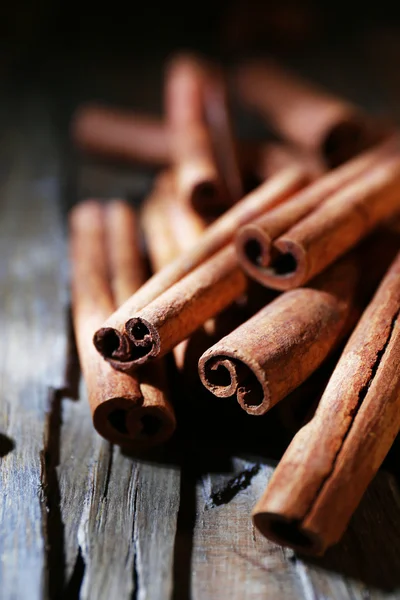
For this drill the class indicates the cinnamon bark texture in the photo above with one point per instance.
(330, 462)
(304, 114)
(334, 226)
(279, 347)
(105, 258)
(120, 135)
(197, 175)
(272, 353)
(169, 228)
(254, 240)
(183, 308)
(112, 340)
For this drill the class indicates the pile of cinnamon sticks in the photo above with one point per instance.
(318, 234)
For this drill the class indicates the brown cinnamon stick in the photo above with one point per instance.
(112, 340)
(105, 258)
(331, 461)
(198, 178)
(169, 228)
(304, 114)
(272, 353)
(275, 351)
(335, 226)
(121, 135)
(254, 241)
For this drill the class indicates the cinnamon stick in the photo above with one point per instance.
(197, 175)
(304, 114)
(335, 226)
(272, 353)
(112, 340)
(123, 135)
(331, 461)
(254, 241)
(276, 350)
(169, 228)
(105, 259)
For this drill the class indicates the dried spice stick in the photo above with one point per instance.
(254, 240)
(112, 340)
(272, 353)
(105, 258)
(169, 228)
(275, 351)
(335, 226)
(127, 136)
(177, 313)
(331, 461)
(198, 178)
(305, 115)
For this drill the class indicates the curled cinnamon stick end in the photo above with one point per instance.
(330, 462)
(112, 340)
(121, 135)
(132, 412)
(271, 354)
(185, 307)
(293, 243)
(306, 115)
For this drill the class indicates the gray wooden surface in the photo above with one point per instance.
(78, 519)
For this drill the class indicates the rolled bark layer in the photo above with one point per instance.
(334, 227)
(254, 241)
(272, 353)
(331, 461)
(304, 114)
(104, 257)
(112, 340)
(176, 314)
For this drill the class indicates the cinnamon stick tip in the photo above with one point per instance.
(110, 343)
(135, 427)
(288, 267)
(224, 373)
(253, 247)
(287, 532)
(144, 340)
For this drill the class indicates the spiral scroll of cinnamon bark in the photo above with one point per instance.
(332, 228)
(255, 242)
(106, 268)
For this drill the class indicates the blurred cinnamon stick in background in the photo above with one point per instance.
(305, 115)
(121, 135)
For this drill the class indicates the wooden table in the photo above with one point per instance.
(79, 518)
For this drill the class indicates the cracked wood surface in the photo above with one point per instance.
(78, 519)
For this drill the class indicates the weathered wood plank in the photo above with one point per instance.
(32, 352)
(119, 512)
